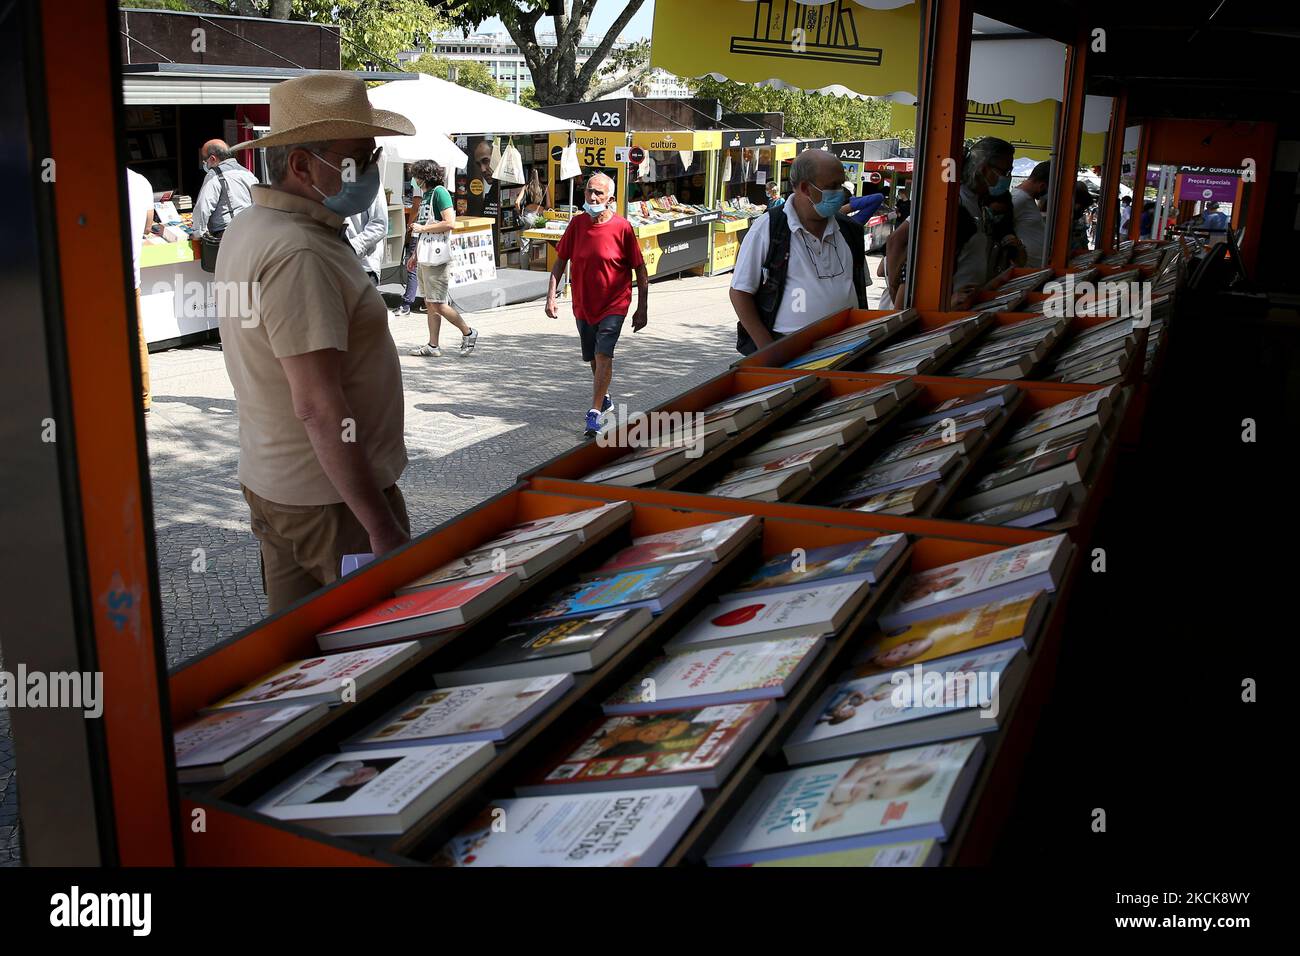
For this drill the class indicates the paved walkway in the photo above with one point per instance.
(472, 425)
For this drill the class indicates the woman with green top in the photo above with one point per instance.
(437, 214)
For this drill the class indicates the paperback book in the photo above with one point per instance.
(570, 646)
(691, 746)
(813, 612)
(219, 745)
(627, 828)
(840, 563)
(762, 670)
(655, 588)
(495, 712)
(910, 794)
(1038, 566)
(382, 792)
(325, 678)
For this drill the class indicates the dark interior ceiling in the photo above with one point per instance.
(1229, 59)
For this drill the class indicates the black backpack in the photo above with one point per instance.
(768, 296)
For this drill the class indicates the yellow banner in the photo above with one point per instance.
(783, 149)
(1029, 127)
(679, 139)
(806, 45)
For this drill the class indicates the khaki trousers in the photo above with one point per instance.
(303, 545)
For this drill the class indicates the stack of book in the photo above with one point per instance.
(1010, 351)
(1085, 259)
(471, 587)
(671, 453)
(1044, 467)
(683, 724)
(1029, 282)
(919, 354)
(790, 461)
(1098, 356)
(838, 350)
(580, 627)
(926, 454)
(1000, 300)
(888, 756)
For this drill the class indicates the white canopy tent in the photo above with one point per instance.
(440, 110)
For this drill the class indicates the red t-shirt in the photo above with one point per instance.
(601, 257)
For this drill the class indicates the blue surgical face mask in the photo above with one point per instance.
(1001, 187)
(594, 211)
(356, 195)
(832, 200)
(416, 186)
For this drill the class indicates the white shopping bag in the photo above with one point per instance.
(511, 169)
(569, 162)
(495, 159)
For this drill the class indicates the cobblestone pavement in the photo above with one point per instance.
(472, 426)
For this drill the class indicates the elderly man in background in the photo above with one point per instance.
(985, 175)
(801, 262)
(604, 252)
(226, 190)
(317, 380)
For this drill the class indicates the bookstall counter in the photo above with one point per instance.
(234, 834)
(1078, 515)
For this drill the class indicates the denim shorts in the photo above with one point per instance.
(600, 337)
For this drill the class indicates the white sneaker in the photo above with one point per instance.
(467, 342)
(430, 351)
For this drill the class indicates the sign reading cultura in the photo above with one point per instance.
(808, 45)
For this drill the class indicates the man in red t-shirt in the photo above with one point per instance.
(604, 252)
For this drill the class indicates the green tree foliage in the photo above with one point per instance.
(807, 115)
(557, 75)
(469, 74)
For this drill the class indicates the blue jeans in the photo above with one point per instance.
(412, 280)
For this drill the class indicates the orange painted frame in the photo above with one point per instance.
(1114, 160)
(83, 116)
(941, 106)
(1069, 138)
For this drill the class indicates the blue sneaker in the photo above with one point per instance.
(593, 424)
(607, 404)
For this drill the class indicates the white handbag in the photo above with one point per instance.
(433, 249)
(569, 162)
(510, 171)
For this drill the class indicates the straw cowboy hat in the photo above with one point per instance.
(320, 107)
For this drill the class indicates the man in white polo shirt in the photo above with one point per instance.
(801, 262)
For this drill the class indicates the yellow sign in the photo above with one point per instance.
(476, 187)
(725, 247)
(808, 45)
(1029, 127)
(651, 253)
(700, 139)
(786, 149)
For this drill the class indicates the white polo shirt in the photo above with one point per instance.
(819, 276)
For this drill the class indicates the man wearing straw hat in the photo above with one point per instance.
(306, 343)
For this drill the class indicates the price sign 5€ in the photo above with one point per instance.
(593, 155)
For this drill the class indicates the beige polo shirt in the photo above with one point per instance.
(287, 283)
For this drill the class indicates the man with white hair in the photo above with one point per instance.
(801, 262)
(604, 252)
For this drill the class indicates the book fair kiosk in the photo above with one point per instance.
(107, 792)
